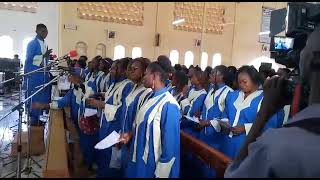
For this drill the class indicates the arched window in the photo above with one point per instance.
(101, 50)
(6, 47)
(81, 48)
(136, 52)
(25, 43)
(174, 57)
(188, 59)
(216, 60)
(119, 52)
(204, 60)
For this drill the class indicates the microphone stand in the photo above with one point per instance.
(34, 71)
(19, 107)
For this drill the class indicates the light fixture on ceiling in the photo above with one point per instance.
(264, 33)
(176, 22)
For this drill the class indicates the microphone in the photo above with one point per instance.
(72, 53)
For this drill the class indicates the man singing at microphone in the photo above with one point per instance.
(37, 54)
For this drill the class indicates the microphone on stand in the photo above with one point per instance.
(72, 53)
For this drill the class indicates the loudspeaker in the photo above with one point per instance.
(197, 42)
(157, 40)
(112, 35)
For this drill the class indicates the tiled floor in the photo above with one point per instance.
(8, 128)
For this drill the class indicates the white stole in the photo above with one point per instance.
(116, 92)
(193, 95)
(130, 98)
(162, 169)
(241, 104)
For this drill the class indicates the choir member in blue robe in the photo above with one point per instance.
(103, 80)
(278, 119)
(92, 77)
(169, 69)
(135, 73)
(36, 56)
(240, 110)
(192, 104)
(111, 120)
(88, 141)
(179, 85)
(72, 98)
(214, 105)
(155, 147)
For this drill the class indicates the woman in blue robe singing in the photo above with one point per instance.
(192, 104)
(155, 147)
(179, 85)
(89, 140)
(110, 121)
(72, 98)
(214, 105)
(240, 110)
(103, 79)
(135, 73)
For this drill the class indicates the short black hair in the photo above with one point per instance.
(165, 61)
(232, 69)
(223, 70)
(144, 62)
(177, 67)
(252, 72)
(85, 58)
(107, 62)
(197, 68)
(124, 62)
(39, 26)
(185, 69)
(82, 61)
(160, 67)
(208, 69)
(182, 78)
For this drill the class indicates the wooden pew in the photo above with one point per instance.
(215, 159)
(56, 159)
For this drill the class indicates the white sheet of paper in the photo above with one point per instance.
(90, 112)
(108, 141)
(57, 98)
(194, 119)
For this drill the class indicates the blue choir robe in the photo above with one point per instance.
(72, 99)
(155, 147)
(35, 60)
(276, 120)
(87, 142)
(130, 110)
(189, 106)
(90, 85)
(111, 121)
(168, 84)
(214, 105)
(239, 111)
(175, 94)
(100, 77)
(103, 81)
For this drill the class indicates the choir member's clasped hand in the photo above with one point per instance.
(203, 123)
(125, 137)
(238, 129)
(225, 127)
